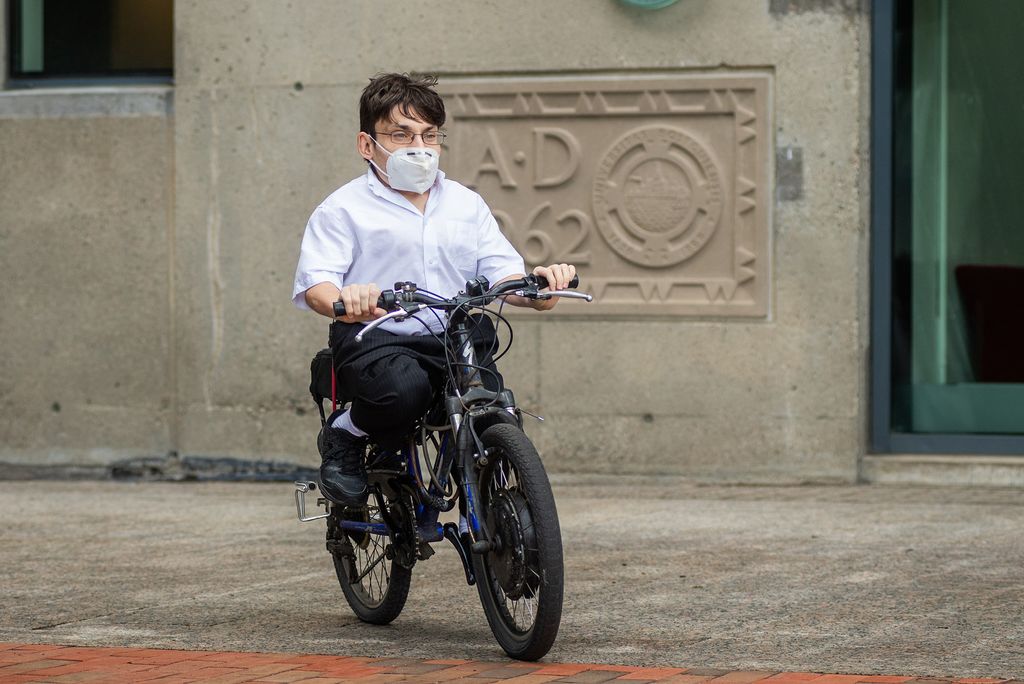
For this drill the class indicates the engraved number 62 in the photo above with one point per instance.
(538, 247)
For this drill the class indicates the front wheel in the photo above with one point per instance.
(520, 578)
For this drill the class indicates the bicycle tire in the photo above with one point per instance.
(379, 597)
(527, 564)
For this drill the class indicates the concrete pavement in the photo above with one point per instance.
(659, 572)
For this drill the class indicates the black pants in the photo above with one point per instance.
(392, 380)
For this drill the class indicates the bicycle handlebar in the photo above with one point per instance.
(389, 298)
(542, 282)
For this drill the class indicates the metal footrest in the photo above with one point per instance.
(301, 489)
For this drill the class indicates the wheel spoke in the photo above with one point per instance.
(522, 597)
(520, 613)
(381, 586)
(370, 568)
(372, 572)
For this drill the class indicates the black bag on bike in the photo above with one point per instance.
(323, 381)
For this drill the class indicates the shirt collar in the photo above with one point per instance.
(378, 188)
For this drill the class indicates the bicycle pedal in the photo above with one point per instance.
(303, 487)
(480, 547)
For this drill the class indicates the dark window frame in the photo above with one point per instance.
(14, 81)
(882, 439)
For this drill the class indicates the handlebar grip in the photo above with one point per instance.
(386, 300)
(542, 282)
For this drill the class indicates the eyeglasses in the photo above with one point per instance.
(401, 137)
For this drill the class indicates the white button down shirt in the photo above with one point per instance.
(365, 232)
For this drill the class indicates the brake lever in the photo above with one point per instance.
(397, 315)
(569, 294)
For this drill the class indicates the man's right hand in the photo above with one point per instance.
(360, 303)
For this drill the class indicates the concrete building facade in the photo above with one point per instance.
(149, 233)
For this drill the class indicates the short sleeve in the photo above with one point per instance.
(496, 257)
(325, 255)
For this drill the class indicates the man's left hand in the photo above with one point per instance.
(558, 277)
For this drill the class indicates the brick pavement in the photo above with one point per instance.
(21, 662)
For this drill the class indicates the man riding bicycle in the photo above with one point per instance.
(401, 221)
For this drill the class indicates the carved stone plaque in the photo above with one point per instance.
(656, 186)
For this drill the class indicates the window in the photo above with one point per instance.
(954, 271)
(72, 40)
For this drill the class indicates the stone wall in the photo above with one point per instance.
(85, 241)
(264, 128)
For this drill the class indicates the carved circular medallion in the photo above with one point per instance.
(657, 196)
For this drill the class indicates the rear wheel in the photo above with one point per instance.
(520, 578)
(373, 580)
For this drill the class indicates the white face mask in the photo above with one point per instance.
(412, 169)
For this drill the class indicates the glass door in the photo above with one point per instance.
(957, 240)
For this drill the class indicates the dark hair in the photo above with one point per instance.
(413, 94)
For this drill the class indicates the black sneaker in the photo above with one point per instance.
(343, 470)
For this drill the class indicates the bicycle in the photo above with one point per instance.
(468, 450)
